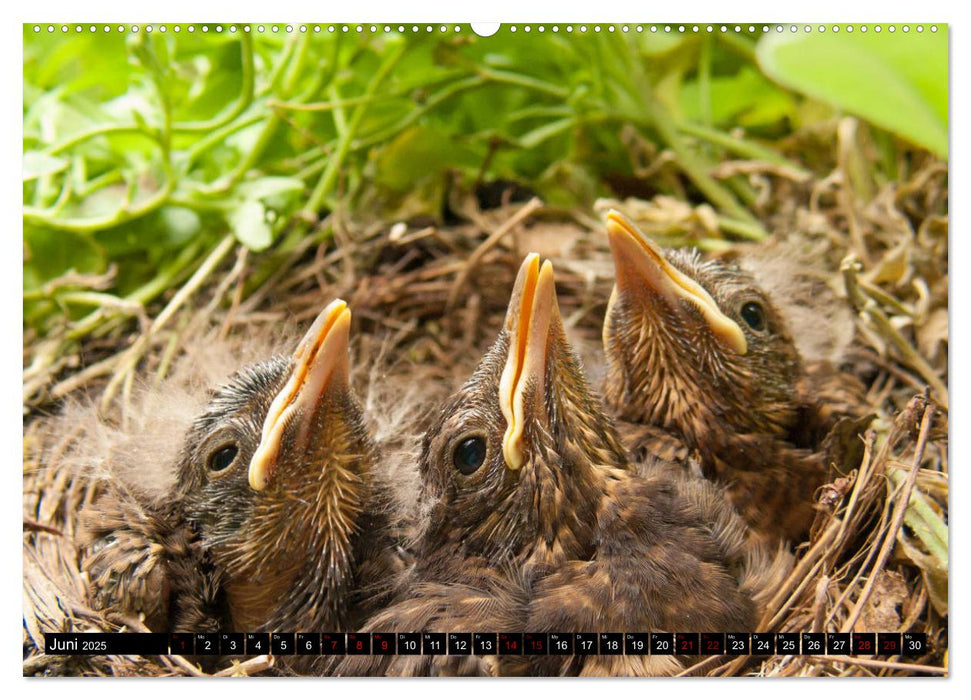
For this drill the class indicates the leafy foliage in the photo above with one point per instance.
(897, 82)
(141, 151)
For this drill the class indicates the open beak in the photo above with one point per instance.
(529, 320)
(639, 263)
(320, 364)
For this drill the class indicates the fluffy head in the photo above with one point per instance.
(693, 346)
(275, 474)
(517, 459)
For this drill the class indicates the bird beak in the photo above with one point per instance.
(532, 312)
(320, 364)
(639, 263)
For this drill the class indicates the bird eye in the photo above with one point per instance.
(223, 458)
(753, 314)
(469, 455)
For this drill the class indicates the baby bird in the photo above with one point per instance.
(536, 520)
(701, 360)
(143, 558)
(274, 505)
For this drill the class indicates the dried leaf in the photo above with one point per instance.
(893, 267)
(935, 575)
(882, 610)
(932, 335)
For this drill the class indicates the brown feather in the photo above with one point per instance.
(755, 422)
(576, 538)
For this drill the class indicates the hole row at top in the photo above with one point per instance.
(415, 28)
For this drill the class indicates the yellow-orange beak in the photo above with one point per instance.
(639, 261)
(531, 315)
(321, 363)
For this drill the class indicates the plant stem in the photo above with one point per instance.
(220, 135)
(525, 81)
(694, 167)
(272, 123)
(704, 81)
(740, 147)
(743, 229)
(293, 72)
(245, 97)
(413, 116)
(743, 47)
(106, 130)
(922, 519)
(121, 215)
(143, 295)
(329, 104)
(280, 68)
(112, 177)
(328, 177)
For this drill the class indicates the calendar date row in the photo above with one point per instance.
(488, 643)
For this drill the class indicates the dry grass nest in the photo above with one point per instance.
(878, 556)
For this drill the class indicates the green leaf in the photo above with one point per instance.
(49, 254)
(38, 164)
(659, 44)
(419, 154)
(745, 98)
(271, 188)
(154, 236)
(179, 224)
(547, 131)
(250, 227)
(896, 81)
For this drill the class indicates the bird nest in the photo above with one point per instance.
(436, 294)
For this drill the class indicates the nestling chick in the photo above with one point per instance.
(277, 476)
(699, 352)
(274, 486)
(143, 559)
(527, 484)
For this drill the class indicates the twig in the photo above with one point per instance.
(876, 663)
(524, 212)
(731, 168)
(698, 667)
(132, 356)
(165, 361)
(802, 569)
(98, 369)
(868, 309)
(853, 186)
(184, 664)
(890, 538)
(915, 613)
(107, 301)
(97, 283)
(238, 271)
(248, 667)
(40, 527)
(819, 602)
(144, 294)
(194, 282)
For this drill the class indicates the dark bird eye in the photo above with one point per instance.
(753, 314)
(222, 458)
(469, 455)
